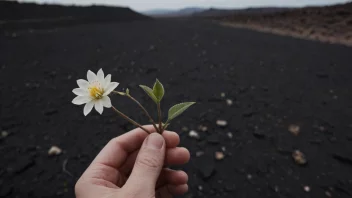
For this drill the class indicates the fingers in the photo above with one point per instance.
(115, 153)
(177, 189)
(168, 191)
(148, 165)
(173, 177)
(177, 156)
(174, 156)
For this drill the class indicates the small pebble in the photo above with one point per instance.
(221, 123)
(184, 129)
(199, 153)
(223, 94)
(306, 188)
(193, 134)
(223, 149)
(4, 134)
(249, 176)
(299, 157)
(200, 188)
(203, 128)
(229, 134)
(229, 102)
(54, 150)
(294, 129)
(328, 194)
(219, 155)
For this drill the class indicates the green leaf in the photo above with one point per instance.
(158, 90)
(178, 109)
(127, 91)
(150, 93)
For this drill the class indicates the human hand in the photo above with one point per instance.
(131, 166)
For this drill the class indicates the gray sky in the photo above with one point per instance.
(142, 5)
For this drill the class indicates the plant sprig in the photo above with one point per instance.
(157, 94)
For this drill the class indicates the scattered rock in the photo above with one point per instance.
(328, 194)
(294, 129)
(219, 155)
(4, 134)
(193, 134)
(223, 95)
(199, 153)
(185, 129)
(249, 176)
(322, 128)
(229, 134)
(229, 102)
(54, 150)
(221, 123)
(200, 188)
(223, 148)
(213, 139)
(299, 157)
(306, 189)
(259, 134)
(206, 166)
(203, 128)
(152, 48)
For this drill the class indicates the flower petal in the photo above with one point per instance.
(80, 92)
(110, 88)
(106, 101)
(88, 107)
(91, 76)
(100, 77)
(81, 100)
(99, 106)
(83, 83)
(107, 81)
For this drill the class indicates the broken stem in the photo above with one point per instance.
(130, 120)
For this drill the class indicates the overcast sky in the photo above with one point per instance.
(142, 5)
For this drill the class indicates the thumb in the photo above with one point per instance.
(148, 165)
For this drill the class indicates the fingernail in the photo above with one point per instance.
(155, 141)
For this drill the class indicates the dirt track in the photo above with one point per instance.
(274, 81)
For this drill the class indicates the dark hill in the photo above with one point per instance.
(13, 13)
(223, 12)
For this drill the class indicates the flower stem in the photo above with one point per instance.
(159, 115)
(130, 120)
(145, 111)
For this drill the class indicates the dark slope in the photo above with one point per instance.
(19, 15)
(274, 81)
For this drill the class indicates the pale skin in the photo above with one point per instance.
(133, 166)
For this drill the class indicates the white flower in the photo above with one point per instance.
(94, 92)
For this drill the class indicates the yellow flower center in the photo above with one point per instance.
(96, 92)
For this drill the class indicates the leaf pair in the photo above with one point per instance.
(157, 93)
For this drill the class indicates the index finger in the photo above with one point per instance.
(115, 153)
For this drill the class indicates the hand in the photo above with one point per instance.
(131, 166)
